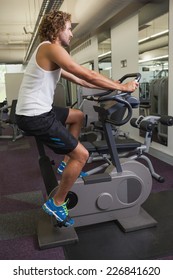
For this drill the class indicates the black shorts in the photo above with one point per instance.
(50, 129)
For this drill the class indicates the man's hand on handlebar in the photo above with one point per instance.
(130, 86)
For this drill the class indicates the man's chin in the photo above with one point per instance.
(65, 45)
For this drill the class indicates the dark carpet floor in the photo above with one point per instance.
(108, 242)
(22, 193)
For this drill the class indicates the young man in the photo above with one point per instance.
(34, 110)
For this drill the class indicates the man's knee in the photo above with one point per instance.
(75, 116)
(83, 155)
(79, 115)
(80, 153)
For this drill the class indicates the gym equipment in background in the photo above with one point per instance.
(9, 121)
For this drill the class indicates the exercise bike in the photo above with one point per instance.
(115, 194)
(9, 122)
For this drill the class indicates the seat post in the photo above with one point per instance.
(46, 169)
(103, 116)
(40, 147)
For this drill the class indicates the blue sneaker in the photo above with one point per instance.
(62, 166)
(60, 212)
(83, 174)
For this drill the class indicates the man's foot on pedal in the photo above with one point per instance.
(59, 212)
(62, 166)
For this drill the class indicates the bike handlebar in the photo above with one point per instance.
(137, 77)
(118, 97)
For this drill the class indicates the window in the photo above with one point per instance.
(2, 82)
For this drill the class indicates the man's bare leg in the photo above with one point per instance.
(76, 162)
(75, 121)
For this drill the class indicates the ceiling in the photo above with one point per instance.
(19, 20)
(14, 17)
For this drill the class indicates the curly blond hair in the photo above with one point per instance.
(52, 23)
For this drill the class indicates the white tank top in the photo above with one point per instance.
(36, 92)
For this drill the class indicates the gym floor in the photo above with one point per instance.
(22, 194)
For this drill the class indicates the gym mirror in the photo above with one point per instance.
(104, 54)
(153, 64)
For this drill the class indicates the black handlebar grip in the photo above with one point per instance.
(137, 76)
(143, 125)
(146, 126)
(133, 122)
(166, 120)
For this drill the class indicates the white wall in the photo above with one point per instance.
(9, 68)
(87, 52)
(12, 83)
(15, 68)
(124, 45)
